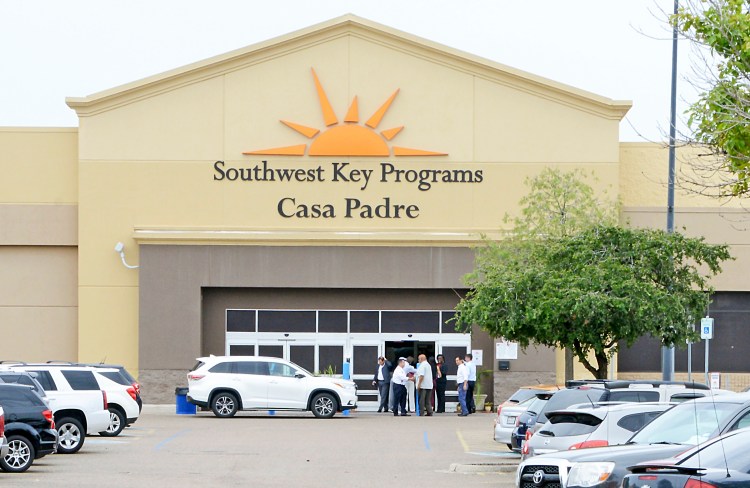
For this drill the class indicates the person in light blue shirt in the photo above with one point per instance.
(472, 369)
(424, 386)
(462, 385)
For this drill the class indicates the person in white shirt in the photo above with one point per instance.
(462, 383)
(400, 380)
(472, 369)
(424, 386)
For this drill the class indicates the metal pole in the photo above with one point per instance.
(690, 361)
(707, 381)
(667, 353)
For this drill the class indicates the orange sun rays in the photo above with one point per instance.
(348, 139)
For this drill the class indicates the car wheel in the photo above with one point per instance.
(116, 423)
(324, 405)
(224, 404)
(20, 455)
(71, 435)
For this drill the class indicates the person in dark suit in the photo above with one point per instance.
(382, 379)
(441, 382)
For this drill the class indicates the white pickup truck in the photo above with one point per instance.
(76, 399)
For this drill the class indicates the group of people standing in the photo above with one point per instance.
(424, 384)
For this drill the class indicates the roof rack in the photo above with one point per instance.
(613, 384)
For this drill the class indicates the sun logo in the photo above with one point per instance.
(347, 139)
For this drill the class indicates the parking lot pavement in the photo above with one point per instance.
(258, 449)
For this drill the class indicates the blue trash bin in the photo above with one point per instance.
(183, 406)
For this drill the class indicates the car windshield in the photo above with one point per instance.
(570, 424)
(536, 405)
(522, 395)
(687, 423)
(565, 398)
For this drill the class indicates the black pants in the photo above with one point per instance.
(441, 396)
(399, 391)
(383, 387)
(470, 397)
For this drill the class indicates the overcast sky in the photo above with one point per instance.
(50, 49)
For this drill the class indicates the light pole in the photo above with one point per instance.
(667, 353)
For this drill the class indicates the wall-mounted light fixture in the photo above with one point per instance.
(120, 249)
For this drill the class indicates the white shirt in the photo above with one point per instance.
(380, 372)
(424, 371)
(462, 374)
(472, 370)
(399, 376)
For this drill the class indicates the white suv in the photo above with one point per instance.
(77, 399)
(227, 384)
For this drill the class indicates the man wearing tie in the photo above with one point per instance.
(382, 379)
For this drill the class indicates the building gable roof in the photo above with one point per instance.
(349, 25)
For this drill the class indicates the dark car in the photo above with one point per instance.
(526, 419)
(29, 427)
(721, 462)
(598, 391)
(679, 428)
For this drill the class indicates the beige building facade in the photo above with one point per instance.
(316, 197)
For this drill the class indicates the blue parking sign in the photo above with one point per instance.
(707, 328)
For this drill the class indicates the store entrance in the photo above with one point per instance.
(397, 349)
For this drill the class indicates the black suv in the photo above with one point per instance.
(29, 427)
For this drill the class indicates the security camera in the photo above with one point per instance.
(119, 247)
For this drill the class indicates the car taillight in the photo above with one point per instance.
(131, 392)
(528, 434)
(588, 444)
(648, 477)
(499, 409)
(104, 400)
(697, 483)
(2, 425)
(525, 449)
(50, 418)
(137, 387)
(518, 421)
(195, 376)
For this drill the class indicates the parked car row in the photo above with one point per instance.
(598, 392)
(52, 407)
(588, 446)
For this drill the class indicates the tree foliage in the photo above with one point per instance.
(589, 291)
(560, 203)
(720, 119)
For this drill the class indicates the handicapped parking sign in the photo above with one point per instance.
(707, 328)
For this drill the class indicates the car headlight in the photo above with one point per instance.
(346, 386)
(589, 474)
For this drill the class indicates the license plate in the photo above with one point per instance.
(510, 421)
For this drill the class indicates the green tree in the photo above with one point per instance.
(720, 119)
(589, 291)
(561, 203)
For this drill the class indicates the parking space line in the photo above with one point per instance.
(170, 439)
(462, 441)
(426, 441)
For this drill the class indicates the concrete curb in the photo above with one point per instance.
(483, 468)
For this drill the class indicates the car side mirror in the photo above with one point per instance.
(299, 375)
